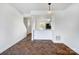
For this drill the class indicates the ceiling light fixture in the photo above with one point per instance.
(49, 8)
(49, 12)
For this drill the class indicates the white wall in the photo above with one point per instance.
(67, 24)
(59, 25)
(12, 28)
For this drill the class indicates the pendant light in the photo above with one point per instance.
(49, 12)
(49, 8)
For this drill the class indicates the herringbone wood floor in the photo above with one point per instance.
(41, 47)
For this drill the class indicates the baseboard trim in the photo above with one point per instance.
(74, 49)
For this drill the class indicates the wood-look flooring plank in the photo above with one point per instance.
(38, 47)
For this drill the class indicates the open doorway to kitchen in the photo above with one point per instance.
(27, 23)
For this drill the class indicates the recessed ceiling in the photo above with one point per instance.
(25, 8)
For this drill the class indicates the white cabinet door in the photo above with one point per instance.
(43, 34)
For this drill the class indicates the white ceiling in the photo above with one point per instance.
(26, 8)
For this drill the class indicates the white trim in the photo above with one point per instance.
(74, 49)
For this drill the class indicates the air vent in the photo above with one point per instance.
(58, 38)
